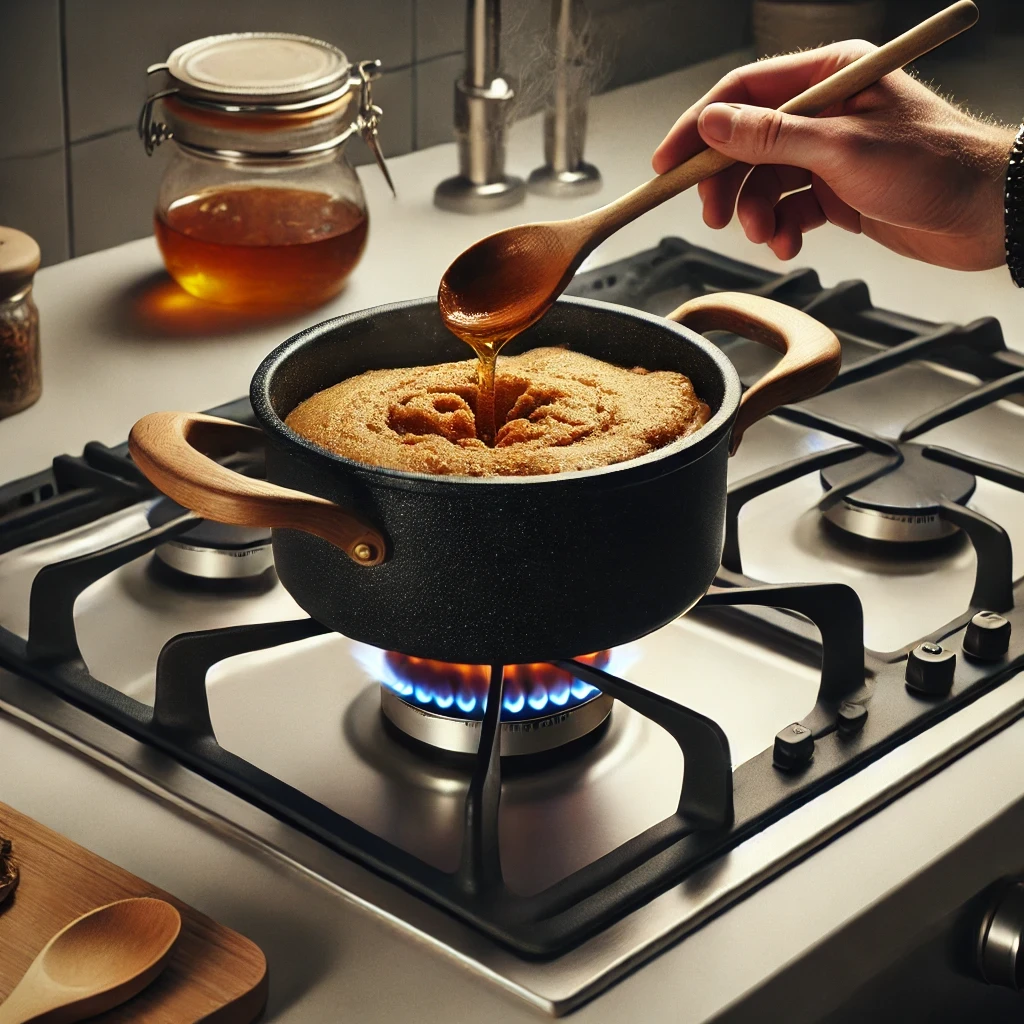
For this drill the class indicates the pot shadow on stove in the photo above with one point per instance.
(157, 308)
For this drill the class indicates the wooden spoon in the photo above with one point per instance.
(508, 281)
(95, 963)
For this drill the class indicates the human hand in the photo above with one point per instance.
(896, 162)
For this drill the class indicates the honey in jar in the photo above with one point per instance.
(260, 245)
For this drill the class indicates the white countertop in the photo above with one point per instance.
(118, 342)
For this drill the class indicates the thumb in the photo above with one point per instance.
(757, 135)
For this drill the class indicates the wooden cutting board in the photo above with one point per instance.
(214, 974)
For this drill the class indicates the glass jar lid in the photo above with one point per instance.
(258, 68)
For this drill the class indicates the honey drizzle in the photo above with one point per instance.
(473, 330)
(486, 427)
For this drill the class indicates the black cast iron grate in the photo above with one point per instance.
(863, 708)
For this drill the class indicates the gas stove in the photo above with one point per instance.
(553, 826)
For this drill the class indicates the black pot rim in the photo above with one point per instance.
(685, 450)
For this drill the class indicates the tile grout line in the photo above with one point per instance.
(33, 154)
(440, 56)
(65, 114)
(104, 134)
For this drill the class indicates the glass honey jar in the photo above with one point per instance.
(259, 205)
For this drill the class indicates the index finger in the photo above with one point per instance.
(766, 83)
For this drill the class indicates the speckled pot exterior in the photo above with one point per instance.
(503, 570)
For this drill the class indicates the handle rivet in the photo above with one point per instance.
(363, 552)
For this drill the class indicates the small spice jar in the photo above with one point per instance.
(259, 206)
(20, 379)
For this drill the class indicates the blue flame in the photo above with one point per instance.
(443, 698)
(468, 704)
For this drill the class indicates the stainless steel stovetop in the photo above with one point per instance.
(307, 712)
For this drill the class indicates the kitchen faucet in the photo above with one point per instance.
(484, 96)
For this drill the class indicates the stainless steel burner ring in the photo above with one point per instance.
(519, 737)
(905, 505)
(226, 563)
(896, 528)
(212, 551)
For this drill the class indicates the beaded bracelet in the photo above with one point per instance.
(1014, 209)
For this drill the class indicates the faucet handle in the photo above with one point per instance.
(484, 99)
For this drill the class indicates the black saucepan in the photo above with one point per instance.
(499, 570)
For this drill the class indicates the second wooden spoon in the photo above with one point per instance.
(95, 963)
(508, 281)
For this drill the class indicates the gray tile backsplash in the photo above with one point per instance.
(440, 27)
(114, 190)
(30, 79)
(100, 63)
(677, 33)
(33, 199)
(435, 88)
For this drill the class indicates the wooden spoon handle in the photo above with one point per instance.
(21, 1006)
(846, 82)
(25, 1005)
(170, 448)
(811, 352)
(36, 1000)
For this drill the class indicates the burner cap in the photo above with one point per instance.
(213, 551)
(902, 506)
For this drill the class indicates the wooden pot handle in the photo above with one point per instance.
(811, 355)
(173, 449)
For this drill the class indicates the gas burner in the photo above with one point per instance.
(212, 551)
(442, 705)
(902, 506)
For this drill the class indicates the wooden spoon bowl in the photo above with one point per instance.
(507, 281)
(95, 963)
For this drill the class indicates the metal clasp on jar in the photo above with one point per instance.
(153, 133)
(370, 115)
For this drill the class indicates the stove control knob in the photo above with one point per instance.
(794, 747)
(1000, 945)
(930, 670)
(987, 637)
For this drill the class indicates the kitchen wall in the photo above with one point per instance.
(74, 175)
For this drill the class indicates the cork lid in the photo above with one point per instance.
(258, 67)
(19, 260)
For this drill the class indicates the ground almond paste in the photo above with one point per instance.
(556, 410)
